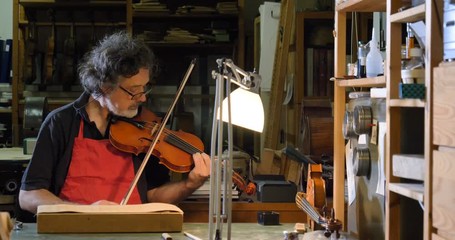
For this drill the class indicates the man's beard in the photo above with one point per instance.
(128, 113)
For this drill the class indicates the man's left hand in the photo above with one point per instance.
(201, 170)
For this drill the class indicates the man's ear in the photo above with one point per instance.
(104, 90)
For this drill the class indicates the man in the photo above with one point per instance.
(74, 162)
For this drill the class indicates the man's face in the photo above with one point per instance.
(125, 99)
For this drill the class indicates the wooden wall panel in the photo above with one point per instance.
(443, 194)
(444, 106)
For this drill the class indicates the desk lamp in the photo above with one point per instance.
(243, 107)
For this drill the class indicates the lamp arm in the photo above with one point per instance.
(248, 80)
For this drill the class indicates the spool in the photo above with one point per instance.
(363, 119)
(361, 161)
(348, 128)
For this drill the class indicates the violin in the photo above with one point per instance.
(173, 148)
(315, 192)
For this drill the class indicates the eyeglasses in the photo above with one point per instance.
(136, 96)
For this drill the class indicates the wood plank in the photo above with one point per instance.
(443, 236)
(410, 166)
(443, 194)
(444, 164)
(362, 6)
(15, 81)
(273, 123)
(299, 83)
(339, 110)
(419, 103)
(410, 190)
(393, 119)
(444, 106)
(413, 14)
(363, 82)
(437, 237)
(434, 55)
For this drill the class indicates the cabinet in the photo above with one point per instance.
(313, 92)
(35, 23)
(400, 125)
(342, 12)
(44, 59)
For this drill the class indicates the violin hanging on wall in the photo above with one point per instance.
(69, 52)
(50, 51)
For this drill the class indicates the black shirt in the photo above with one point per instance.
(51, 157)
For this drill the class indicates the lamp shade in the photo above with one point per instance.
(246, 110)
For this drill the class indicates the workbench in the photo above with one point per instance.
(250, 231)
(244, 212)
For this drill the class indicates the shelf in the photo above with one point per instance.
(410, 190)
(5, 110)
(317, 15)
(362, 6)
(55, 3)
(417, 103)
(362, 82)
(192, 45)
(413, 14)
(162, 16)
(77, 24)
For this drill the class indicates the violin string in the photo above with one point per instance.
(189, 147)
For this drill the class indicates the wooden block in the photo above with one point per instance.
(411, 166)
(150, 217)
(269, 163)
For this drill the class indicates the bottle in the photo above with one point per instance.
(410, 40)
(361, 60)
(374, 59)
(413, 70)
(416, 59)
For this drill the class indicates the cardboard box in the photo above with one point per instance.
(150, 217)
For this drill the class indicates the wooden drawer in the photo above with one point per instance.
(443, 208)
(444, 106)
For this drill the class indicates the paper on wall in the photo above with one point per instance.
(350, 173)
(381, 155)
(270, 17)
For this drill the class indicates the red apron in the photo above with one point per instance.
(98, 171)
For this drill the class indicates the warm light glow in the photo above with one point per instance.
(246, 110)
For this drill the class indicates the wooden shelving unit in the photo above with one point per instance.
(303, 21)
(434, 216)
(342, 13)
(91, 21)
(398, 187)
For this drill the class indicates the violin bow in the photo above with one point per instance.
(158, 134)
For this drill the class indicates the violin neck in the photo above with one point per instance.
(181, 144)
